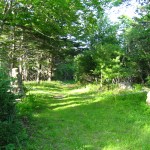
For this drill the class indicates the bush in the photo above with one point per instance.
(138, 87)
(27, 106)
(148, 81)
(11, 133)
(64, 71)
(84, 69)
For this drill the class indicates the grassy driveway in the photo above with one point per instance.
(70, 117)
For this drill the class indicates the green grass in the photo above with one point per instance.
(71, 117)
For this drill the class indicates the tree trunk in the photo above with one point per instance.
(15, 68)
(20, 84)
(101, 80)
(49, 70)
(25, 73)
(17, 84)
(38, 72)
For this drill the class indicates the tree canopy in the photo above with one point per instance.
(67, 39)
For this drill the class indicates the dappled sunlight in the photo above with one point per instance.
(44, 86)
(60, 103)
(39, 92)
(35, 115)
(88, 119)
(146, 129)
(80, 90)
(144, 137)
(70, 96)
(88, 146)
(114, 147)
(66, 106)
(75, 103)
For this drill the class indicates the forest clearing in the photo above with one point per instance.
(72, 117)
(74, 74)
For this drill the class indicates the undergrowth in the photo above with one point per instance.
(12, 134)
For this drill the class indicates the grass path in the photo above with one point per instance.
(68, 117)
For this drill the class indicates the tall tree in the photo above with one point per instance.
(136, 41)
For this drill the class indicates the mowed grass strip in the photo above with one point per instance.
(71, 117)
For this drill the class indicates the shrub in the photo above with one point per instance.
(148, 81)
(27, 106)
(11, 133)
(138, 87)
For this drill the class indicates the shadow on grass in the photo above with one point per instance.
(86, 121)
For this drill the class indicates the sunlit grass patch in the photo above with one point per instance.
(75, 117)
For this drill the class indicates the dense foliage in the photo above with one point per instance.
(11, 132)
(136, 49)
(44, 39)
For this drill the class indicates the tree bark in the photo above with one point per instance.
(50, 68)
(38, 72)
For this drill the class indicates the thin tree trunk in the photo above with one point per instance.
(25, 73)
(101, 80)
(20, 84)
(49, 71)
(38, 72)
(16, 70)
